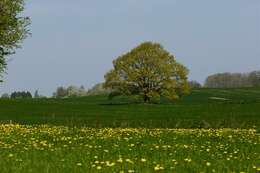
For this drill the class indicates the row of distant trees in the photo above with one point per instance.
(74, 91)
(233, 80)
(229, 80)
(61, 92)
(71, 91)
(18, 94)
(22, 94)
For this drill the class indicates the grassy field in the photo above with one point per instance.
(211, 130)
(44, 149)
(203, 108)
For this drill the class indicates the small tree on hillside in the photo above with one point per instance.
(61, 92)
(148, 71)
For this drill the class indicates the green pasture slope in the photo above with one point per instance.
(203, 108)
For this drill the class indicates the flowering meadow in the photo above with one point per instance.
(43, 148)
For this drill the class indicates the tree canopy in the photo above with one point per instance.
(13, 28)
(98, 89)
(71, 91)
(148, 71)
(21, 94)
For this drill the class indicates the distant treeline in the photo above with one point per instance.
(74, 91)
(233, 80)
(22, 94)
(219, 80)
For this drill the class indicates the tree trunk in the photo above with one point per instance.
(146, 99)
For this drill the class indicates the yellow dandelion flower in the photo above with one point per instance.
(156, 168)
(143, 160)
(187, 160)
(120, 160)
(79, 164)
(110, 164)
(129, 161)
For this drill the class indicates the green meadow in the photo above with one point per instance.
(203, 108)
(210, 130)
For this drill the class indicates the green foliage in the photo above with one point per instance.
(71, 91)
(21, 95)
(98, 89)
(233, 80)
(148, 71)
(61, 92)
(13, 28)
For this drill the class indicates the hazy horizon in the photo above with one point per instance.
(74, 43)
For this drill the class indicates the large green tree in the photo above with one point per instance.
(148, 71)
(13, 28)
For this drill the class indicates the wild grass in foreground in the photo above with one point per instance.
(65, 149)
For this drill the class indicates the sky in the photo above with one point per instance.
(74, 42)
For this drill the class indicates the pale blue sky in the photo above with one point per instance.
(74, 42)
